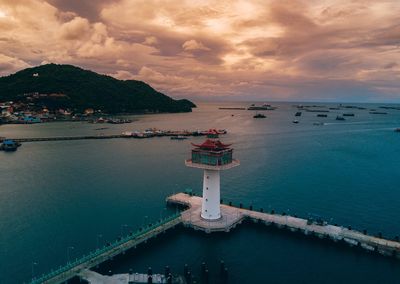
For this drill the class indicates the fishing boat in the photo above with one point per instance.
(295, 121)
(340, 118)
(259, 115)
(298, 113)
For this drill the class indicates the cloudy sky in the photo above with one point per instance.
(327, 50)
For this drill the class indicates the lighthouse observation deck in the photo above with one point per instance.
(212, 155)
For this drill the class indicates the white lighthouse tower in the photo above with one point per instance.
(213, 156)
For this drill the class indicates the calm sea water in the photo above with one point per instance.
(54, 195)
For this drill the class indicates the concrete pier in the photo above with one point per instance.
(231, 216)
(64, 273)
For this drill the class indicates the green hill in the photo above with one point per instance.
(81, 89)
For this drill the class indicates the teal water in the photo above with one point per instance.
(54, 195)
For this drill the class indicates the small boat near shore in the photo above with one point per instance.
(341, 118)
(9, 145)
(295, 121)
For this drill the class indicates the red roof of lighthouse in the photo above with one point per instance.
(212, 145)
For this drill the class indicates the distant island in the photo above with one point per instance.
(70, 90)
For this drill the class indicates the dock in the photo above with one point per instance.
(160, 133)
(95, 258)
(232, 216)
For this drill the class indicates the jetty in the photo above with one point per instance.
(120, 246)
(144, 134)
(232, 216)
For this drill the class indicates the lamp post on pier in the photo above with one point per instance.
(122, 228)
(97, 240)
(68, 252)
(34, 263)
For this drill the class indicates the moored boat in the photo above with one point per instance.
(179, 137)
(259, 115)
(263, 107)
(9, 145)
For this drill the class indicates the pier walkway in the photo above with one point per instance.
(143, 135)
(231, 216)
(64, 273)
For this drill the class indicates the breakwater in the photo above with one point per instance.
(138, 135)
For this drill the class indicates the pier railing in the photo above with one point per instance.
(98, 253)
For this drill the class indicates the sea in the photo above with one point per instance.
(61, 199)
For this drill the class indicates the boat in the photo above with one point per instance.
(397, 129)
(119, 121)
(340, 118)
(298, 113)
(263, 107)
(318, 123)
(259, 115)
(322, 115)
(348, 114)
(222, 131)
(295, 121)
(9, 145)
(179, 137)
(377, 112)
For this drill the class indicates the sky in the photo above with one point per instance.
(325, 50)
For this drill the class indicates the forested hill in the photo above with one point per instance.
(75, 88)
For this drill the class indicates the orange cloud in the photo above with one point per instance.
(233, 49)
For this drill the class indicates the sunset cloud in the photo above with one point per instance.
(297, 50)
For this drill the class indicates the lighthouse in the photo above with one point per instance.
(212, 156)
